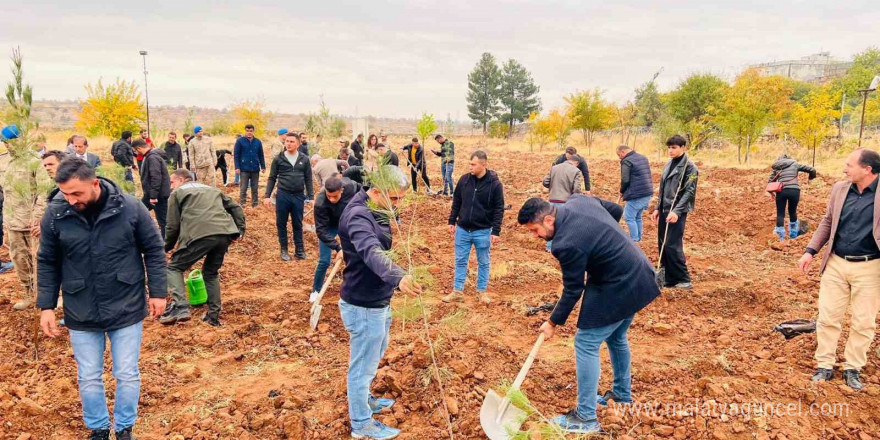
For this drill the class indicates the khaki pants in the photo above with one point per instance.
(846, 283)
(205, 175)
(21, 244)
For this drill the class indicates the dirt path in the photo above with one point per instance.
(713, 344)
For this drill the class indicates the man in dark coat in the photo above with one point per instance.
(123, 154)
(293, 173)
(619, 282)
(582, 165)
(249, 161)
(678, 189)
(155, 181)
(329, 204)
(636, 188)
(357, 148)
(173, 151)
(415, 159)
(387, 156)
(96, 245)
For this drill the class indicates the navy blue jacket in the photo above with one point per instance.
(327, 214)
(100, 268)
(249, 155)
(619, 279)
(635, 177)
(369, 278)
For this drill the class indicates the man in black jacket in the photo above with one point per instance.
(293, 172)
(329, 205)
(357, 148)
(387, 156)
(123, 154)
(475, 221)
(154, 181)
(95, 246)
(619, 282)
(678, 189)
(415, 159)
(582, 165)
(173, 151)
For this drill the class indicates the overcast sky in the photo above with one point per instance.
(399, 58)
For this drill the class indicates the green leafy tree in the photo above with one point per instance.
(426, 126)
(559, 125)
(484, 88)
(519, 94)
(589, 113)
(649, 106)
(111, 109)
(865, 66)
(337, 127)
(498, 129)
(693, 104)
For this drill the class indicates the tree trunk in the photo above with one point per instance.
(748, 146)
(815, 143)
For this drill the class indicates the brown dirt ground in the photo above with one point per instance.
(714, 343)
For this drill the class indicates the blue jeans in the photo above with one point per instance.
(368, 338)
(88, 350)
(446, 171)
(550, 243)
(289, 205)
(324, 255)
(632, 214)
(586, 349)
(480, 239)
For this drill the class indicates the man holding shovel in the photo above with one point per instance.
(587, 239)
(329, 205)
(678, 189)
(202, 222)
(368, 283)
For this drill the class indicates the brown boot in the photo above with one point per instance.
(455, 296)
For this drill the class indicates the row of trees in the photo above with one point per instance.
(501, 96)
(704, 106)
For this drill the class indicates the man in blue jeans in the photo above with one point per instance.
(636, 188)
(103, 285)
(329, 205)
(293, 173)
(368, 283)
(619, 282)
(447, 162)
(475, 220)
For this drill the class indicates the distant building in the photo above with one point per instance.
(818, 68)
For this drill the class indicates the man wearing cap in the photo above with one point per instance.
(277, 146)
(203, 157)
(249, 161)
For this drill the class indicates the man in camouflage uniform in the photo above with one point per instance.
(24, 184)
(447, 162)
(277, 145)
(203, 157)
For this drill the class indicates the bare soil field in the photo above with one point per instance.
(264, 375)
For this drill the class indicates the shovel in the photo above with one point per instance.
(309, 228)
(497, 416)
(316, 306)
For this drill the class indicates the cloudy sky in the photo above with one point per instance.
(399, 58)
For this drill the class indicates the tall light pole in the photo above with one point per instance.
(146, 92)
(874, 84)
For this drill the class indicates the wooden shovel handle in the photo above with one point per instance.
(528, 364)
(329, 278)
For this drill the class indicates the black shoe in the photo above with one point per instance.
(168, 309)
(851, 378)
(823, 374)
(125, 434)
(177, 314)
(285, 256)
(211, 320)
(100, 434)
(300, 255)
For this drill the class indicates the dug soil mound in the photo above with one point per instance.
(264, 375)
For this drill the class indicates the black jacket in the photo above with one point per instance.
(174, 154)
(478, 203)
(582, 165)
(358, 150)
(221, 159)
(420, 155)
(672, 181)
(619, 278)
(100, 267)
(391, 158)
(155, 180)
(292, 179)
(122, 153)
(355, 173)
(327, 214)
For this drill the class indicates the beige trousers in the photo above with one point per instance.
(846, 283)
(205, 175)
(21, 244)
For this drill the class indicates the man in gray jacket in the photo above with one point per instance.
(202, 222)
(564, 180)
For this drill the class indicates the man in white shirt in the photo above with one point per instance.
(80, 145)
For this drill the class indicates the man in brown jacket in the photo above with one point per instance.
(850, 267)
(203, 157)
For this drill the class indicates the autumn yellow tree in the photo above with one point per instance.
(750, 105)
(589, 113)
(540, 130)
(111, 109)
(250, 111)
(812, 119)
(559, 125)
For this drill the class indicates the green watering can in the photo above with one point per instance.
(195, 285)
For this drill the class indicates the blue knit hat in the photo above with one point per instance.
(10, 132)
(282, 131)
(197, 129)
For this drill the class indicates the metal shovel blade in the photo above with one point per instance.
(316, 315)
(495, 427)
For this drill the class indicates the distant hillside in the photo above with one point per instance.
(61, 115)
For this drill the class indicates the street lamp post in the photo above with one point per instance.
(146, 92)
(874, 84)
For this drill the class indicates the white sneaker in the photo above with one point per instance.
(313, 297)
